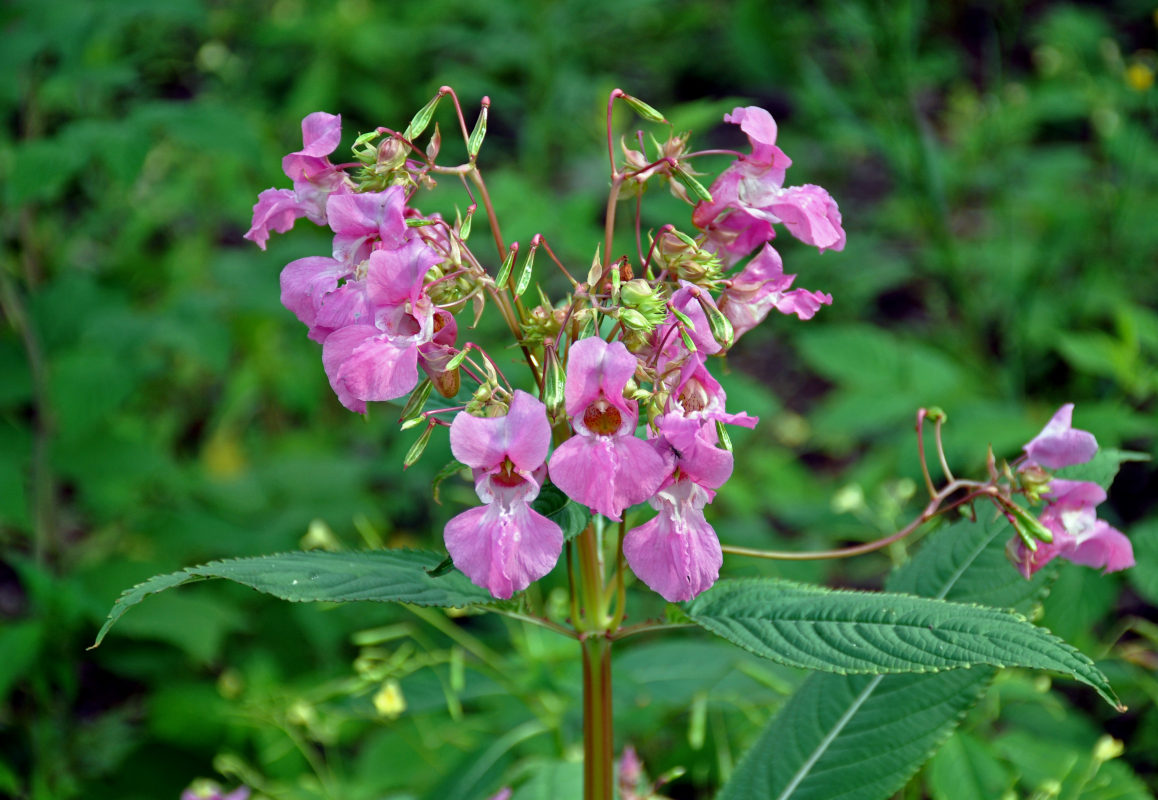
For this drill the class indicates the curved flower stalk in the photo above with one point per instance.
(504, 545)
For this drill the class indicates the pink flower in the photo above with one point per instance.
(693, 392)
(378, 326)
(1059, 444)
(677, 553)
(604, 466)
(749, 197)
(762, 286)
(1078, 535)
(504, 545)
(315, 180)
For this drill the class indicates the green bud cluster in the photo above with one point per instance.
(543, 324)
(446, 293)
(685, 260)
(383, 164)
(642, 305)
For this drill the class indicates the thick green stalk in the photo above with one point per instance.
(598, 749)
(598, 738)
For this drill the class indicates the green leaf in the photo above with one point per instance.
(385, 576)
(843, 736)
(1102, 468)
(966, 769)
(878, 633)
(21, 643)
(552, 780)
(861, 737)
(557, 507)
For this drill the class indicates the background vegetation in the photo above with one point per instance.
(997, 167)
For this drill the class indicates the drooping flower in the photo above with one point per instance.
(1059, 444)
(378, 326)
(677, 553)
(1078, 535)
(749, 197)
(762, 286)
(504, 545)
(315, 180)
(604, 466)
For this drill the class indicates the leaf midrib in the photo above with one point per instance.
(840, 725)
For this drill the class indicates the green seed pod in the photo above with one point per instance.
(422, 118)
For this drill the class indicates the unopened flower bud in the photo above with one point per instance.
(636, 292)
(554, 382)
(720, 326)
(1028, 527)
(634, 320)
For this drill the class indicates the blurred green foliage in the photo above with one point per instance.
(997, 167)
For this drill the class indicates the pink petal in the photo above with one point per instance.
(306, 281)
(275, 209)
(321, 133)
(677, 553)
(811, 215)
(608, 473)
(503, 548)
(1059, 444)
(523, 435)
(396, 276)
(362, 364)
(761, 131)
(1107, 548)
(696, 454)
(366, 216)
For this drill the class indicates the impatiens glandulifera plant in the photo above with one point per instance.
(619, 408)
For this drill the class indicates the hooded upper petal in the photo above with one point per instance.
(523, 436)
(1059, 444)
(608, 474)
(599, 370)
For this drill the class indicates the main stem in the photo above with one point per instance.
(598, 751)
(598, 736)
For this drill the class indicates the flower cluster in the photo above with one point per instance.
(630, 413)
(1075, 532)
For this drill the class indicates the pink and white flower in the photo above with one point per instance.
(504, 545)
(1078, 535)
(605, 466)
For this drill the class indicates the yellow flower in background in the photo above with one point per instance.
(389, 701)
(1139, 76)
